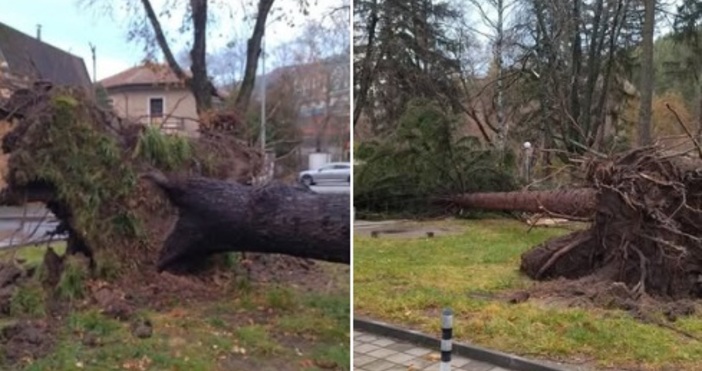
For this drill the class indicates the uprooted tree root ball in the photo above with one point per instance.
(86, 165)
(645, 208)
(646, 229)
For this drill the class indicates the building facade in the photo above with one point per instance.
(153, 95)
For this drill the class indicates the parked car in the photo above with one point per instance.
(333, 172)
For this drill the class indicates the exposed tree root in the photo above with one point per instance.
(645, 232)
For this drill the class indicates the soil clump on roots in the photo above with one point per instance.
(645, 238)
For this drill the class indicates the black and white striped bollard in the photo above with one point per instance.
(446, 335)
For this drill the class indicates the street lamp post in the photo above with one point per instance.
(527, 160)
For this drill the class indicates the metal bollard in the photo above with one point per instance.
(446, 335)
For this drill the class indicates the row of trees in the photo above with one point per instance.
(556, 67)
(568, 76)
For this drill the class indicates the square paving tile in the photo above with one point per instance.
(401, 358)
(362, 360)
(379, 365)
(365, 348)
(401, 347)
(460, 361)
(382, 353)
(417, 352)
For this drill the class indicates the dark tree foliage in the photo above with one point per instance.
(424, 158)
(402, 52)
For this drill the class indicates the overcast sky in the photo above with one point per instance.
(71, 27)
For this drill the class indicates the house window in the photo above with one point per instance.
(156, 107)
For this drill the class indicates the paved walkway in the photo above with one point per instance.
(375, 353)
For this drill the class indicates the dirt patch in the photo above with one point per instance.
(406, 230)
(25, 341)
(10, 278)
(250, 363)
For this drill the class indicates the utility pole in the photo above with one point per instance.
(92, 50)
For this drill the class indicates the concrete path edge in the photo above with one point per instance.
(461, 349)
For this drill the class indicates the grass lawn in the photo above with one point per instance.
(408, 281)
(32, 254)
(270, 329)
(255, 326)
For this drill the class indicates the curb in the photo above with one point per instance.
(477, 353)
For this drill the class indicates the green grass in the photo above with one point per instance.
(207, 335)
(281, 298)
(32, 254)
(73, 278)
(28, 300)
(407, 282)
(257, 338)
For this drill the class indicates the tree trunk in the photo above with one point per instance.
(647, 74)
(365, 74)
(566, 202)
(502, 123)
(199, 84)
(253, 51)
(217, 216)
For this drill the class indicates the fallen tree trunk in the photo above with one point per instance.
(568, 202)
(217, 216)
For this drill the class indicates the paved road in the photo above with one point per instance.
(332, 188)
(36, 224)
(376, 353)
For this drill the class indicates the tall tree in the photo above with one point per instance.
(146, 24)
(688, 31)
(496, 24)
(647, 73)
(577, 53)
(253, 52)
(198, 81)
(401, 52)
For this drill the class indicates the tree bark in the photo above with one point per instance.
(365, 79)
(253, 51)
(199, 84)
(161, 40)
(217, 216)
(566, 202)
(647, 74)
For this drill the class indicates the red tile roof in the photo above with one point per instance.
(145, 74)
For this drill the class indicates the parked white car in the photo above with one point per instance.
(333, 172)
